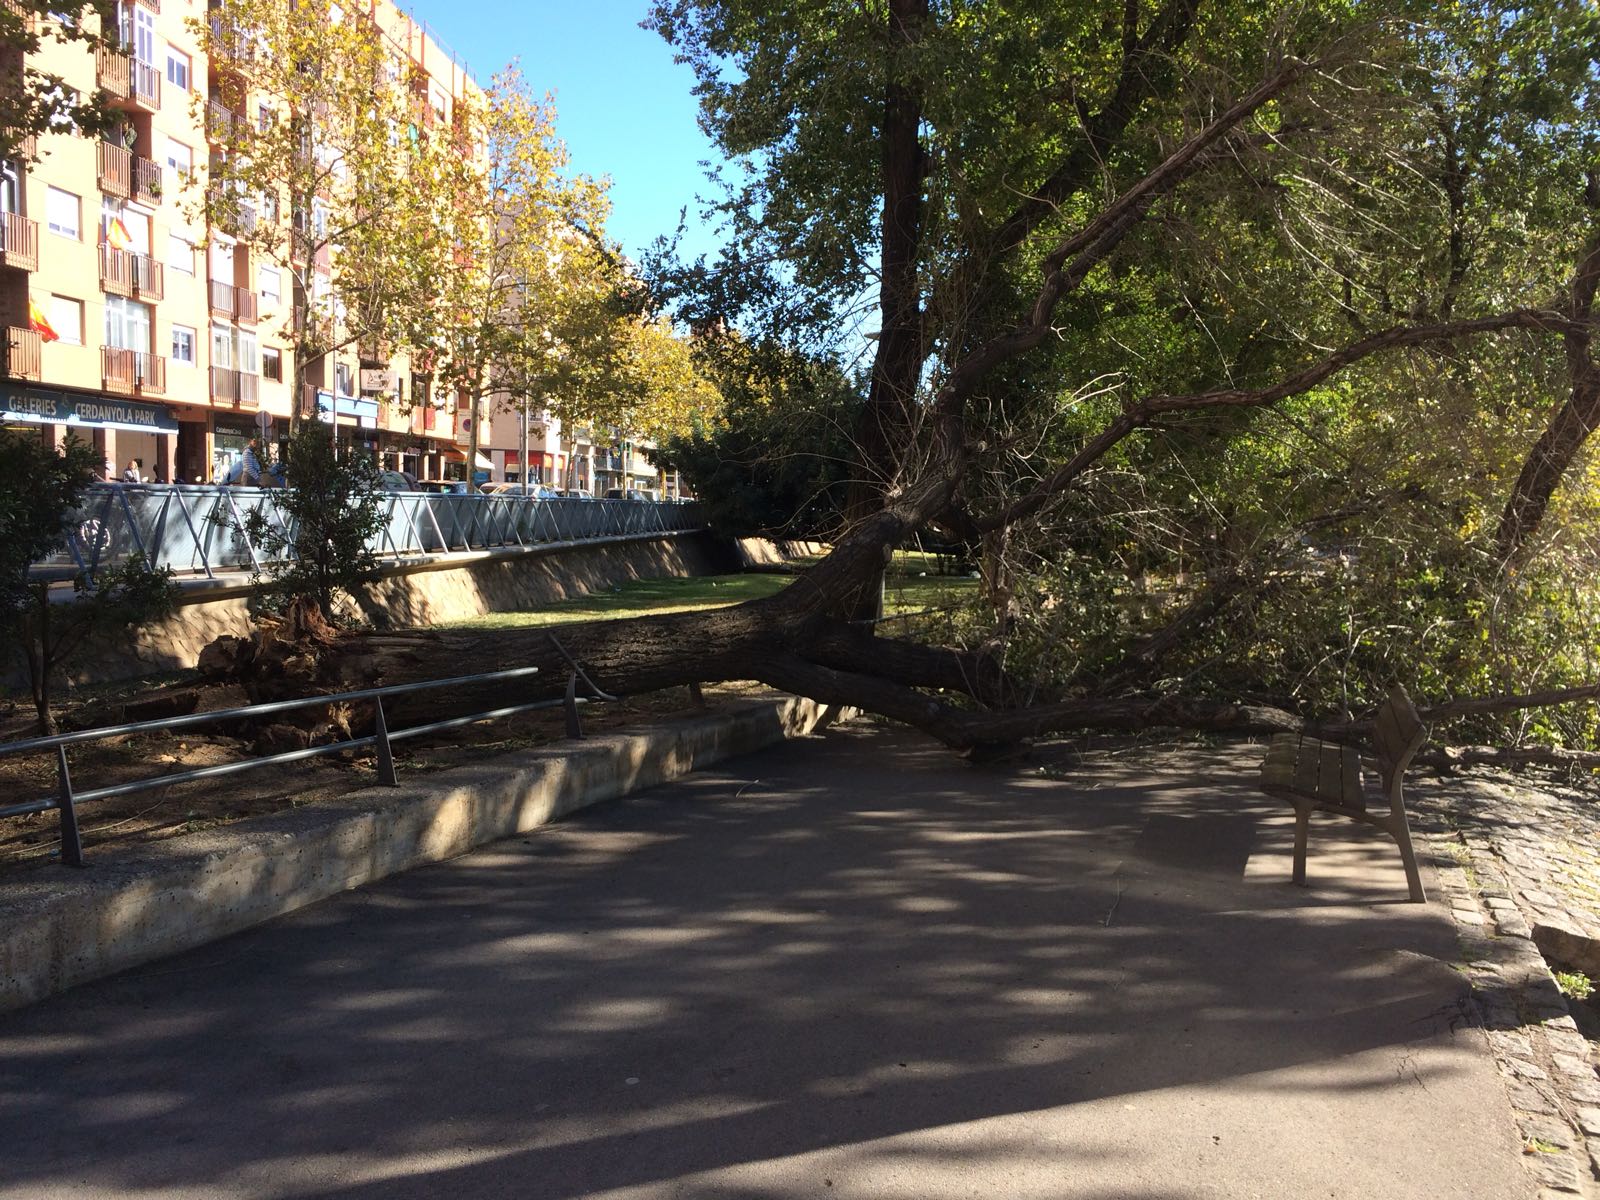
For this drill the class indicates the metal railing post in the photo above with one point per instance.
(386, 775)
(71, 843)
(574, 726)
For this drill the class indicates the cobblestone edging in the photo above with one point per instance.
(1548, 1065)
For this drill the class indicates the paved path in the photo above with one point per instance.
(850, 967)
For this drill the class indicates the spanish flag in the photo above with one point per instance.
(40, 322)
(117, 234)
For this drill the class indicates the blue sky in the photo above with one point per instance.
(625, 109)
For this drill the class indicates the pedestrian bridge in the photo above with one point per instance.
(198, 530)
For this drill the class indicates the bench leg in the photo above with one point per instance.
(1402, 836)
(1302, 832)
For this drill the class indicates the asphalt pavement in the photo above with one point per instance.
(853, 966)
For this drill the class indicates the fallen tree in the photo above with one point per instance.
(1105, 252)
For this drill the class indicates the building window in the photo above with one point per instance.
(222, 347)
(183, 345)
(272, 363)
(271, 285)
(177, 68)
(66, 318)
(345, 380)
(63, 212)
(180, 254)
(263, 118)
(127, 324)
(246, 356)
(180, 158)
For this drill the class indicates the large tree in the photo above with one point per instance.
(1274, 308)
(332, 165)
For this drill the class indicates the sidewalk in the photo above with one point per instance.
(850, 967)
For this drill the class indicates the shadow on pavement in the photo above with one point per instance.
(852, 966)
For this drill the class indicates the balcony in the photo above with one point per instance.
(234, 303)
(114, 168)
(229, 213)
(223, 125)
(376, 351)
(133, 372)
(234, 388)
(19, 242)
(29, 18)
(21, 354)
(146, 85)
(28, 148)
(146, 181)
(123, 273)
(113, 71)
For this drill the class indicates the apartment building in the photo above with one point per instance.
(162, 340)
(566, 458)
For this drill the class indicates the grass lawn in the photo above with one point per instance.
(907, 590)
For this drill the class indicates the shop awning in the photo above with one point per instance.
(453, 455)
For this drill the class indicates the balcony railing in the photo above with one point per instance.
(374, 350)
(230, 213)
(19, 242)
(133, 372)
(113, 71)
(28, 147)
(146, 181)
(235, 303)
(236, 388)
(124, 273)
(29, 18)
(222, 123)
(146, 85)
(115, 170)
(21, 353)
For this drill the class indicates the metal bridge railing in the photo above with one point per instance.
(197, 529)
(66, 799)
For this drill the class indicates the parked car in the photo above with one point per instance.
(445, 487)
(630, 494)
(537, 491)
(398, 481)
(576, 494)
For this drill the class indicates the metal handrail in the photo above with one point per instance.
(199, 528)
(66, 799)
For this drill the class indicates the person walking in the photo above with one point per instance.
(250, 476)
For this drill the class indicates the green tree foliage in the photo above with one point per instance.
(341, 183)
(40, 486)
(1233, 332)
(33, 101)
(316, 535)
(775, 459)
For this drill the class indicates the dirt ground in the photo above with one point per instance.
(30, 842)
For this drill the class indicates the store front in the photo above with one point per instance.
(120, 430)
(355, 422)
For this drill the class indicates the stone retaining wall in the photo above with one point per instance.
(447, 588)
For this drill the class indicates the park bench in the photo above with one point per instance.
(1321, 776)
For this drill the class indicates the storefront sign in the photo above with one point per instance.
(378, 380)
(42, 406)
(349, 411)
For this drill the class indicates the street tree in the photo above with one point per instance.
(1197, 322)
(333, 166)
(32, 101)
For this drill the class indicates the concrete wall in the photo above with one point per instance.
(450, 588)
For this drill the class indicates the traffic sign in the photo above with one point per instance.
(264, 422)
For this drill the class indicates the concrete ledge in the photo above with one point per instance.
(60, 927)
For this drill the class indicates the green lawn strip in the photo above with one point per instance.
(637, 598)
(640, 597)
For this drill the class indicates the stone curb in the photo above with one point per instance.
(62, 928)
(1547, 1065)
